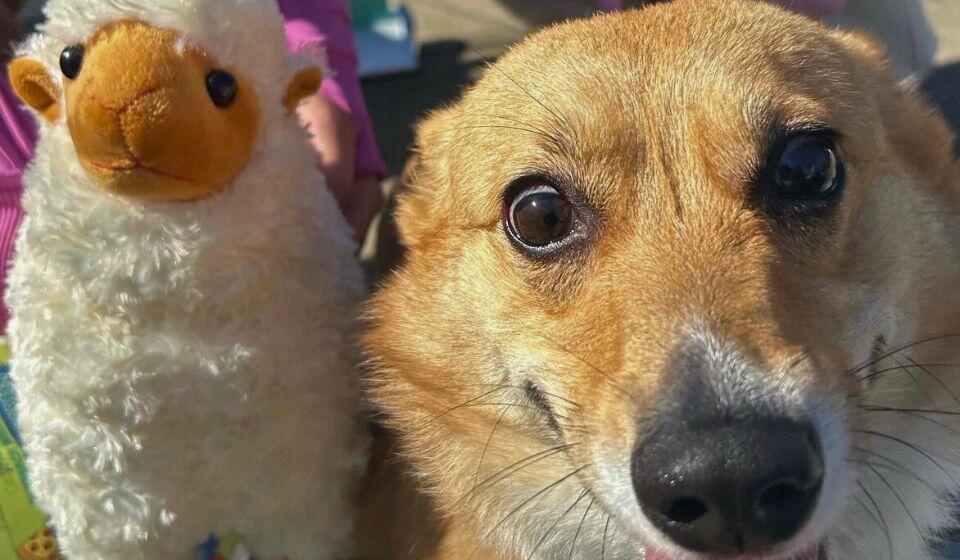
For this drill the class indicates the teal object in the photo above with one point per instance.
(383, 31)
(365, 11)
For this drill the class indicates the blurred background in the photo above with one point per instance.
(455, 38)
(446, 44)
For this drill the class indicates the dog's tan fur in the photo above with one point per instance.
(660, 117)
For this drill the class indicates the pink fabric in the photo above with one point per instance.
(326, 23)
(18, 135)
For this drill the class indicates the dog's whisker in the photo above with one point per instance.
(920, 415)
(603, 546)
(542, 131)
(483, 453)
(894, 468)
(896, 350)
(479, 126)
(451, 409)
(883, 521)
(915, 448)
(913, 378)
(875, 408)
(542, 492)
(879, 372)
(896, 495)
(935, 378)
(553, 527)
(576, 535)
(520, 388)
(516, 467)
(561, 118)
(616, 384)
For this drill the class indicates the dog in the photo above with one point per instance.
(680, 283)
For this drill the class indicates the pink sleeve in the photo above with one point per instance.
(18, 135)
(327, 23)
(812, 8)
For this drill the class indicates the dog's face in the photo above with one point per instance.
(662, 268)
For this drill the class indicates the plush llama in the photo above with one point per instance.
(184, 289)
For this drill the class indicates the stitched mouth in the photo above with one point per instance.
(136, 165)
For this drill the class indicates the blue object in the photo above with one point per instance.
(8, 403)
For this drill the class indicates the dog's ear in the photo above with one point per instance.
(914, 128)
(424, 179)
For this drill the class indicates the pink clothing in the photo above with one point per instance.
(18, 135)
(308, 22)
(326, 23)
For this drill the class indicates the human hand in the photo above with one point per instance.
(334, 137)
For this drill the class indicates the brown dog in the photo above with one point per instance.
(681, 284)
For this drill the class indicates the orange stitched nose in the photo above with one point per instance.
(144, 121)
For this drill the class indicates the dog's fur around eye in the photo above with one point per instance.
(517, 385)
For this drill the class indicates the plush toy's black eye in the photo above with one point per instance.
(808, 168)
(71, 61)
(540, 216)
(222, 87)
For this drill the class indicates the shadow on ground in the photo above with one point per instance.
(398, 102)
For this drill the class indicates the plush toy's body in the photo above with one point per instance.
(184, 288)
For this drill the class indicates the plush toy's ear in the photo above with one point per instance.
(305, 83)
(33, 84)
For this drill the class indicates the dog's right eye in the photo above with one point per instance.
(539, 217)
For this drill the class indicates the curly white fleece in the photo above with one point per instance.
(187, 368)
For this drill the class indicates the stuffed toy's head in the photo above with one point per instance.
(163, 99)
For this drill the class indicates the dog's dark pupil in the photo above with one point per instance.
(808, 169)
(541, 218)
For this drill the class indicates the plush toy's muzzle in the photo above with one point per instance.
(144, 121)
(151, 115)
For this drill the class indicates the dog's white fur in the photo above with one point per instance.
(187, 368)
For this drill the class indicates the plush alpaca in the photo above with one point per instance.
(184, 288)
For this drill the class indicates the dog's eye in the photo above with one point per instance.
(540, 216)
(71, 61)
(808, 168)
(222, 87)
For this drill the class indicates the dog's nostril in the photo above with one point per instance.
(784, 494)
(685, 510)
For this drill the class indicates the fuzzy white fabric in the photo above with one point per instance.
(187, 368)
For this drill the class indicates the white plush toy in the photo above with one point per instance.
(184, 289)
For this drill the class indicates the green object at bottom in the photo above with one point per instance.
(20, 519)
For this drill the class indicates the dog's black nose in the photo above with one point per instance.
(734, 487)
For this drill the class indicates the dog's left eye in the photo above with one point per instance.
(808, 167)
(539, 216)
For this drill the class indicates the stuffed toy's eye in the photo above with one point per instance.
(540, 216)
(71, 61)
(808, 168)
(222, 87)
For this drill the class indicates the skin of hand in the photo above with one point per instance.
(334, 137)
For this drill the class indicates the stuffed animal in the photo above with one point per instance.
(184, 288)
